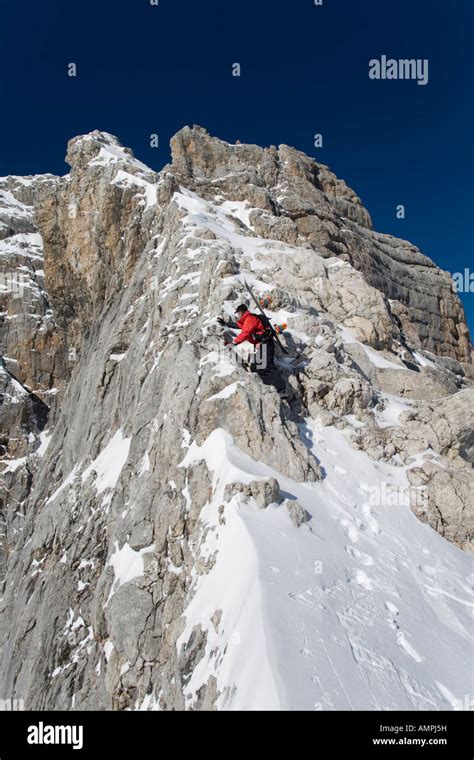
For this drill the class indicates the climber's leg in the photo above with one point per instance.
(265, 365)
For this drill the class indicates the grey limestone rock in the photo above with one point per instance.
(112, 384)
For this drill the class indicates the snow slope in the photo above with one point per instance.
(355, 609)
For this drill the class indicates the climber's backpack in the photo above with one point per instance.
(268, 334)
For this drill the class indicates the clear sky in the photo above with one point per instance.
(144, 69)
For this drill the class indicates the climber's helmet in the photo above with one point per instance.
(241, 309)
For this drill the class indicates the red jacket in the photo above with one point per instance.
(250, 325)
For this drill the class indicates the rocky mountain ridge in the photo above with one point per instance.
(137, 453)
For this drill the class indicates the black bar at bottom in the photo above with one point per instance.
(378, 734)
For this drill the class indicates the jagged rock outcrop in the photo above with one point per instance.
(141, 439)
(302, 200)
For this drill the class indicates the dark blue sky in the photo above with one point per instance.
(304, 69)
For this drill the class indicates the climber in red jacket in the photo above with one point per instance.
(250, 325)
(254, 331)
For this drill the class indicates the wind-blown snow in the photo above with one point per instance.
(12, 465)
(45, 438)
(111, 153)
(226, 392)
(223, 367)
(13, 206)
(339, 613)
(238, 209)
(376, 357)
(125, 179)
(219, 220)
(394, 406)
(379, 360)
(110, 462)
(127, 564)
(422, 360)
(67, 482)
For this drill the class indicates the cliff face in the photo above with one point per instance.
(299, 201)
(138, 570)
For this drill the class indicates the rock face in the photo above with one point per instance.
(300, 201)
(131, 440)
(32, 368)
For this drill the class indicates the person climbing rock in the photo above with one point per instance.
(253, 330)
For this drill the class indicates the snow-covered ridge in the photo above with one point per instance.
(339, 613)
